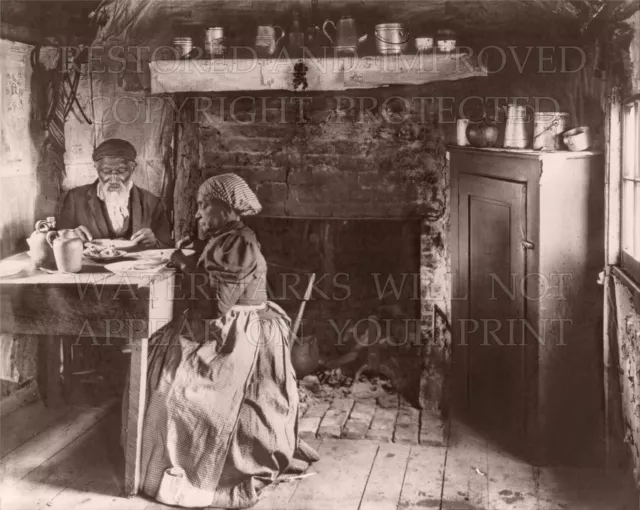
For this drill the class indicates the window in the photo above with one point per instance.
(631, 189)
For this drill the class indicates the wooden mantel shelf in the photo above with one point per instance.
(339, 73)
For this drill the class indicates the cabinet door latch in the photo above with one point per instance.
(527, 245)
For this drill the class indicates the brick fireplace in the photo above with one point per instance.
(366, 294)
(353, 185)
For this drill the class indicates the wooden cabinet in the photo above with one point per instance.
(527, 238)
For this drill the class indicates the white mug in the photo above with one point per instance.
(423, 43)
(447, 45)
(461, 132)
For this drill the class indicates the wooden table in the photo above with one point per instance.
(93, 303)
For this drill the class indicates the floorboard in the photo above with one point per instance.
(563, 488)
(277, 497)
(343, 470)
(86, 473)
(101, 484)
(422, 485)
(512, 482)
(466, 483)
(24, 459)
(385, 481)
(42, 485)
(18, 427)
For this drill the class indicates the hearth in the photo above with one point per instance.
(364, 313)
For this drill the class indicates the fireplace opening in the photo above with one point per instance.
(362, 322)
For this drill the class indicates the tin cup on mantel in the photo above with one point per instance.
(183, 44)
(423, 44)
(446, 41)
(214, 41)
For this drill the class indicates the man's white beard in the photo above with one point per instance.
(117, 203)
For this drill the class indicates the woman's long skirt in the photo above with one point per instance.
(221, 417)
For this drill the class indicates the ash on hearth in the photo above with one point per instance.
(339, 383)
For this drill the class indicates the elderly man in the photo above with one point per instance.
(112, 206)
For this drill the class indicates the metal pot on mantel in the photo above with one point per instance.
(391, 38)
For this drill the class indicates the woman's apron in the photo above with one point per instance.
(220, 422)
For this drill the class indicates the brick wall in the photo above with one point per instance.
(328, 160)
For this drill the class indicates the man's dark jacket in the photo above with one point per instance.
(83, 207)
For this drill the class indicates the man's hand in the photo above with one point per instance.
(145, 237)
(185, 242)
(189, 243)
(83, 233)
(181, 261)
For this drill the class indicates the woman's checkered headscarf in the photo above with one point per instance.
(233, 191)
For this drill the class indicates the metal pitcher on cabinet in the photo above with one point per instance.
(515, 134)
(266, 41)
(347, 39)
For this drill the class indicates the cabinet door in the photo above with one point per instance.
(490, 303)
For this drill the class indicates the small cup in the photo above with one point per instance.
(577, 139)
(447, 45)
(423, 43)
(461, 132)
(171, 485)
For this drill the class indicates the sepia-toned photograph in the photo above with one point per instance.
(320, 254)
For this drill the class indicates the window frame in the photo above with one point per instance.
(630, 261)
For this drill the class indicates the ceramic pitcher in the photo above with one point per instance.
(67, 250)
(39, 250)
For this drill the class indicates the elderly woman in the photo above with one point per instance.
(221, 421)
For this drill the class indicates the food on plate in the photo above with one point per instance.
(96, 251)
(110, 251)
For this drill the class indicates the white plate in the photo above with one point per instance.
(135, 267)
(118, 244)
(161, 255)
(156, 255)
(13, 267)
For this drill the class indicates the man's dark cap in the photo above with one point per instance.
(116, 148)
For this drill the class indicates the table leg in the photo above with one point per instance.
(135, 417)
(54, 389)
(67, 367)
(161, 294)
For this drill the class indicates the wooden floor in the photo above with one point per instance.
(71, 460)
